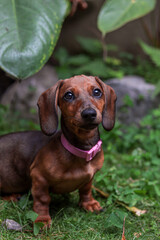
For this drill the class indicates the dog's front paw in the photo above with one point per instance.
(92, 206)
(46, 220)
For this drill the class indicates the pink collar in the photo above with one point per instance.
(88, 155)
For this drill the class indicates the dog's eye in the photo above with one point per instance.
(69, 96)
(97, 93)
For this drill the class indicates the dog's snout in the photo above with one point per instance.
(89, 114)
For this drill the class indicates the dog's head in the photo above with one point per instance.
(84, 102)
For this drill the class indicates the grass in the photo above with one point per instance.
(70, 222)
(130, 174)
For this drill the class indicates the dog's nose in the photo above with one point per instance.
(89, 114)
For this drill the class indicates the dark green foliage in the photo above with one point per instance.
(132, 160)
(90, 45)
(153, 52)
(91, 62)
(10, 122)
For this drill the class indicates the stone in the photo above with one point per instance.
(23, 96)
(134, 95)
(12, 225)
(134, 98)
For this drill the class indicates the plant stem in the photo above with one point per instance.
(104, 48)
(147, 31)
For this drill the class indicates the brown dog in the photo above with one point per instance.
(84, 102)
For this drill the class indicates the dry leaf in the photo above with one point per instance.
(136, 211)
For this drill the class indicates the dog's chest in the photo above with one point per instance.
(73, 178)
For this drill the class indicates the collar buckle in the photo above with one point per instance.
(93, 151)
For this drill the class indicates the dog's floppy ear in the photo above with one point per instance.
(110, 105)
(48, 109)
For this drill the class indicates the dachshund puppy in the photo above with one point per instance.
(65, 160)
(74, 154)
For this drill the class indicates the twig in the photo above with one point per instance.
(103, 194)
(123, 234)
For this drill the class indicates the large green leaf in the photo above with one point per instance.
(153, 52)
(115, 14)
(29, 30)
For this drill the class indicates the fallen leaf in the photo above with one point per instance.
(136, 211)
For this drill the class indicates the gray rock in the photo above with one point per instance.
(134, 95)
(12, 225)
(23, 96)
(134, 98)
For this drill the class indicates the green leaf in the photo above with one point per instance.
(24, 201)
(96, 68)
(78, 60)
(128, 196)
(101, 176)
(64, 72)
(116, 219)
(155, 161)
(154, 53)
(157, 190)
(62, 56)
(29, 32)
(31, 215)
(128, 101)
(115, 14)
(36, 227)
(113, 61)
(90, 45)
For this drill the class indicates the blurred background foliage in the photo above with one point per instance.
(29, 30)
